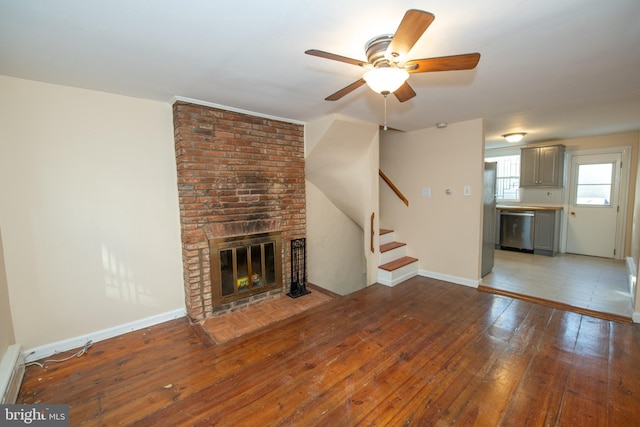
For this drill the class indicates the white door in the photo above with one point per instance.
(594, 208)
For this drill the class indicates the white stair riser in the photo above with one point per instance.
(393, 254)
(392, 278)
(387, 238)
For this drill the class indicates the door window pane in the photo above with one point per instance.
(594, 184)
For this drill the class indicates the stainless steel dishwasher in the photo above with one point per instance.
(516, 229)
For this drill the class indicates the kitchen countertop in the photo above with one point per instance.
(528, 208)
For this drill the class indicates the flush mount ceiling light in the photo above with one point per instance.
(514, 137)
(385, 80)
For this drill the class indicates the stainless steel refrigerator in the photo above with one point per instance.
(489, 218)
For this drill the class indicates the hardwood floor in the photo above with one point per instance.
(423, 353)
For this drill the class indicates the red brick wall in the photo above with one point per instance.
(237, 174)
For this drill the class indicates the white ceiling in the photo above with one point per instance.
(554, 69)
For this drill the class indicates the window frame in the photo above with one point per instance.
(578, 185)
(494, 156)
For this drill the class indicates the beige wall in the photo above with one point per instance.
(342, 163)
(635, 240)
(7, 336)
(334, 245)
(442, 231)
(635, 244)
(88, 210)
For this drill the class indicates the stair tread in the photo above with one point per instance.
(398, 263)
(384, 231)
(390, 246)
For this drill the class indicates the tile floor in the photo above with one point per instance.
(591, 283)
(235, 324)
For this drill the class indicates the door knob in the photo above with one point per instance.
(573, 213)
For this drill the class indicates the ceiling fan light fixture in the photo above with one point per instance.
(385, 80)
(514, 137)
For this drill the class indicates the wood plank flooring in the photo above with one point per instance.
(423, 353)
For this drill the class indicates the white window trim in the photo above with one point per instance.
(503, 152)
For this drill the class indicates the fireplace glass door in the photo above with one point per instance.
(245, 266)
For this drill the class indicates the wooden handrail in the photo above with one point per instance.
(393, 187)
(373, 215)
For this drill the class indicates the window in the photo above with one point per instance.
(507, 177)
(594, 184)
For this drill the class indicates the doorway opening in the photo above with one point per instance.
(596, 200)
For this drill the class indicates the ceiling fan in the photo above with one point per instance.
(387, 64)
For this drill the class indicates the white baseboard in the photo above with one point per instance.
(635, 318)
(71, 343)
(392, 278)
(452, 279)
(11, 373)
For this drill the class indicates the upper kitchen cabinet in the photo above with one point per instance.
(542, 166)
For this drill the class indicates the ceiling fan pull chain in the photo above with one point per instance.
(385, 111)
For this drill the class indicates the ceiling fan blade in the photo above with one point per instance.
(333, 56)
(404, 92)
(443, 63)
(345, 90)
(414, 23)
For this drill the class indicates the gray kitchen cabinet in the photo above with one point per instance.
(546, 232)
(542, 166)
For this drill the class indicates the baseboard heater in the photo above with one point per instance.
(11, 374)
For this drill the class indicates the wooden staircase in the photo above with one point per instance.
(395, 266)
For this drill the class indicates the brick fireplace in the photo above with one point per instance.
(239, 176)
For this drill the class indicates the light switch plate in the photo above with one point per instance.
(467, 190)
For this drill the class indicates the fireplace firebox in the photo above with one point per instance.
(245, 266)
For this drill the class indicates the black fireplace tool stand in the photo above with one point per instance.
(298, 269)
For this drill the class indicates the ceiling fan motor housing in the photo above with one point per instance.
(376, 49)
